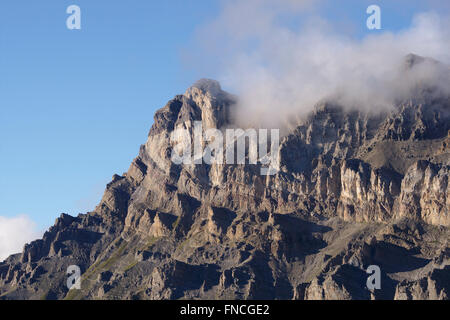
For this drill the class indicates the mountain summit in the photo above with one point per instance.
(353, 189)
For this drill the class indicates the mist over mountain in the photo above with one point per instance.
(354, 188)
(280, 69)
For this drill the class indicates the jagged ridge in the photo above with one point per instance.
(354, 189)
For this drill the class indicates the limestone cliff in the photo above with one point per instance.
(353, 189)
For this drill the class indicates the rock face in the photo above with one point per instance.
(353, 189)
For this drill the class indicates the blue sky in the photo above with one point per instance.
(75, 105)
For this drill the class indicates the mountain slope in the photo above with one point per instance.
(354, 189)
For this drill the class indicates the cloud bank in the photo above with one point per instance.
(14, 233)
(282, 58)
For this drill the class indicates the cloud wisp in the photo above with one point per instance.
(15, 233)
(280, 70)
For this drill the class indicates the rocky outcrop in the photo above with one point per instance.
(435, 286)
(367, 194)
(425, 193)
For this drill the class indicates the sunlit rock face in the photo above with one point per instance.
(353, 189)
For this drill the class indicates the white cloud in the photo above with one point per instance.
(15, 233)
(281, 70)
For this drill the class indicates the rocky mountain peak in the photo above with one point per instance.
(354, 189)
(412, 60)
(207, 86)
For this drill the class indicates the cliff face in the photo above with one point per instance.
(353, 189)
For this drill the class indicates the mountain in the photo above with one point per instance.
(353, 189)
